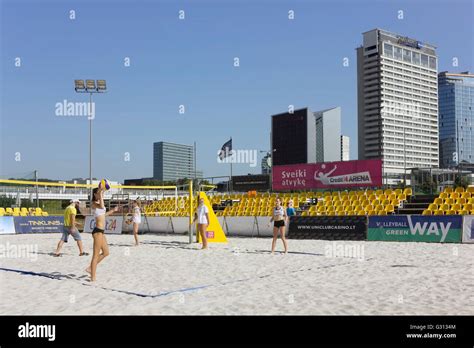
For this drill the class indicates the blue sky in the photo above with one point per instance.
(190, 62)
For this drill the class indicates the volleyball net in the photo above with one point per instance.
(54, 196)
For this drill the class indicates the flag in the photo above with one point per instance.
(226, 150)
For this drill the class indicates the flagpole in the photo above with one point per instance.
(230, 183)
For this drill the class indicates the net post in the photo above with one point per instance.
(190, 212)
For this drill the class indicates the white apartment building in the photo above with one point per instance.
(397, 91)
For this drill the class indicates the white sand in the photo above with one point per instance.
(238, 278)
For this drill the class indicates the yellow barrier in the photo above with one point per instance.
(214, 232)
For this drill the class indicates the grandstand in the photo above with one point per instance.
(16, 211)
(361, 202)
(452, 201)
(458, 201)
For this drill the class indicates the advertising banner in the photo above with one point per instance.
(468, 229)
(113, 224)
(328, 227)
(6, 225)
(38, 224)
(328, 175)
(416, 228)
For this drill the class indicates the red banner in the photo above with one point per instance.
(328, 175)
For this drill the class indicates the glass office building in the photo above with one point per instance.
(306, 137)
(456, 118)
(173, 161)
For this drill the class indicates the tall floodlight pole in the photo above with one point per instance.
(90, 86)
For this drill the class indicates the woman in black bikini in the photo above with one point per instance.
(278, 219)
(101, 248)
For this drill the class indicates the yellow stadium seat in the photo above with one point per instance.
(9, 211)
(398, 192)
(454, 195)
(443, 195)
(470, 189)
(378, 207)
(389, 209)
(438, 201)
(448, 189)
(355, 204)
(16, 213)
(450, 212)
(468, 206)
(427, 212)
(466, 195)
(402, 197)
(381, 212)
(388, 192)
(463, 212)
(439, 212)
(449, 201)
(395, 202)
(461, 201)
(392, 196)
(456, 207)
(459, 189)
(360, 212)
(408, 191)
(368, 209)
(444, 207)
(433, 206)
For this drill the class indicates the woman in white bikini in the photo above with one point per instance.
(202, 216)
(136, 219)
(101, 248)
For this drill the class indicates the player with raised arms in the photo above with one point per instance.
(100, 248)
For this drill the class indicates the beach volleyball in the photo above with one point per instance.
(104, 183)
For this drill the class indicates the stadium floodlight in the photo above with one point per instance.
(79, 85)
(91, 88)
(90, 85)
(101, 86)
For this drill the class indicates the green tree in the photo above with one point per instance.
(461, 181)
